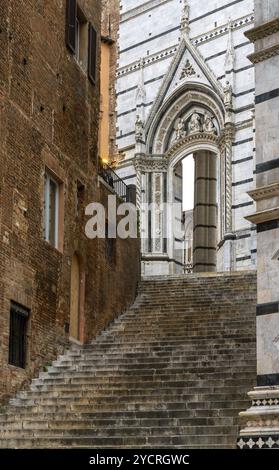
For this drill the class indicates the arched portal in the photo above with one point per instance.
(195, 250)
(77, 299)
(191, 121)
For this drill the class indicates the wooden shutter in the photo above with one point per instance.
(71, 21)
(92, 53)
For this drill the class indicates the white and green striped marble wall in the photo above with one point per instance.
(150, 32)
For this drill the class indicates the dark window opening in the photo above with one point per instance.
(81, 52)
(18, 335)
(81, 39)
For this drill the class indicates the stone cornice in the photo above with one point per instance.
(263, 216)
(264, 30)
(264, 54)
(264, 192)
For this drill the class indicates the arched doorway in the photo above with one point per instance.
(191, 121)
(76, 306)
(194, 181)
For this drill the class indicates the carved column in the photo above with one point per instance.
(151, 182)
(229, 133)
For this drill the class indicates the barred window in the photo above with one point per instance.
(18, 335)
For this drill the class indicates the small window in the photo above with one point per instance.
(51, 210)
(81, 51)
(81, 39)
(18, 335)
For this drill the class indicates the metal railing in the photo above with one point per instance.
(114, 181)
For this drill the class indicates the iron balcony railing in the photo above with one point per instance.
(115, 182)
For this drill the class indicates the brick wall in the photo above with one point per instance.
(110, 29)
(49, 113)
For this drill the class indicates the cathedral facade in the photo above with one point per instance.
(186, 87)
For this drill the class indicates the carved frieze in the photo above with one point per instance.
(264, 54)
(264, 30)
(143, 163)
(192, 138)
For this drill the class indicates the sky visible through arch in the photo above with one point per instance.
(188, 166)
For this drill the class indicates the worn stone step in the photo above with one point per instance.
(123, 431)
(97, 392)
(33, 422)
(118, 441)
(23, 415)
(171, 372)
(136, 403)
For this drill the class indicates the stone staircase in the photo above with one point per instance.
(172, 372)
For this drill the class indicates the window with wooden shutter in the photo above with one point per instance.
(18, 335)
(71, 25)
(92, 53)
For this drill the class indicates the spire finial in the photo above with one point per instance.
(141, 92)
(184, 27)
(230, 55)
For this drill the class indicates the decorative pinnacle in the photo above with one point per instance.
(184, 26)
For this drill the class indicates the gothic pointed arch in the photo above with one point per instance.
(177, 110)
(188, 65)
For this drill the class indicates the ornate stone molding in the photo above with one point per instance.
(144, 163)
(264, 216)
(162, 97)
(262, 420)
(258, 442)
(227, 140)
(148, 60)
(264, 192)
(264, 30)
(222, 30)
(169, 114)
(201, 137)
(170, 51)
(264, 54)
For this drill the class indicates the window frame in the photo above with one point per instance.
(77, 48)
(18, 352)
(48, 178)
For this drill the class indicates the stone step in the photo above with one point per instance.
(135, 403)
(153, 341)
(171, 372)
(57, 423)
(176, 354)
(183, 349)
(123, 431)
(153, 381)
(23, 415)
(115, 392)
(103, 394)
(119, 441)
(122, 361)
(164, 370)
